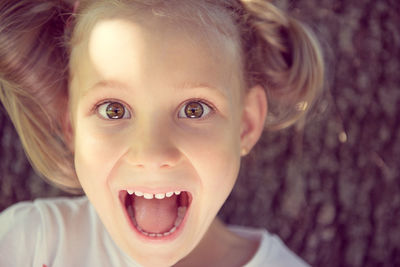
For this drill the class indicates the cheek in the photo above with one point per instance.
(96, 153)
(215, 156)
(95, 156)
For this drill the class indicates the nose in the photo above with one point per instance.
(151, 147)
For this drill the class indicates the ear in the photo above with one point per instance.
(253, 118)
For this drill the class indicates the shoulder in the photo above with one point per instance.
(29, 228)
(62, 212)
(57, 232)
(43, 213)
(271, 250)
(32, 216)
(16, 221)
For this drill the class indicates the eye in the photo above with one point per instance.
(194, 110)
(113, 111)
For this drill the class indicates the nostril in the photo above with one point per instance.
(165, 166)
(153, 157)
(152, 165)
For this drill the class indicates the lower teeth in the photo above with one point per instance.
(178, 221)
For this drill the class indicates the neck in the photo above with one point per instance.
(220, 247)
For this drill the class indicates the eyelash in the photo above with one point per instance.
(201, 102)
(109, 101)
(182, 106)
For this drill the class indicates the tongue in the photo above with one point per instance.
(156, 215)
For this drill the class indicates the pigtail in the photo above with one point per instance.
(282, 55)
(34, 83)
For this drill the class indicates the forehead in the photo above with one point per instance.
(132, 43)
(137, 46)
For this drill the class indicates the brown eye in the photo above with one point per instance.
(113, 110)
(194, 110)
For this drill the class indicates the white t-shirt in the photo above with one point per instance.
(68, 232)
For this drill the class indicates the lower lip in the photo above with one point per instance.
(156, 239)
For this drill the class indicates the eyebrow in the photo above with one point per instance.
(105, 83)
(183, 86)
(193, 86)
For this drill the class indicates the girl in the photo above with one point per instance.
(148, 106)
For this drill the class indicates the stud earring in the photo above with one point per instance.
(243, 152)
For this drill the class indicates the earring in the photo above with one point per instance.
(243, 152)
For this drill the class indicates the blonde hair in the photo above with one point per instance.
(37, 37)
(33, 84)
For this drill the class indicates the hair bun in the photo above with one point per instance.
(285, 58)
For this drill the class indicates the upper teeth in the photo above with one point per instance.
(151, 196)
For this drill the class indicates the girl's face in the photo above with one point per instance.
(156, 109)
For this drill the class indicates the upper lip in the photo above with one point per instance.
(123, 192)
(154, 191)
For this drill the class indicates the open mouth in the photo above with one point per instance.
(156, 216)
